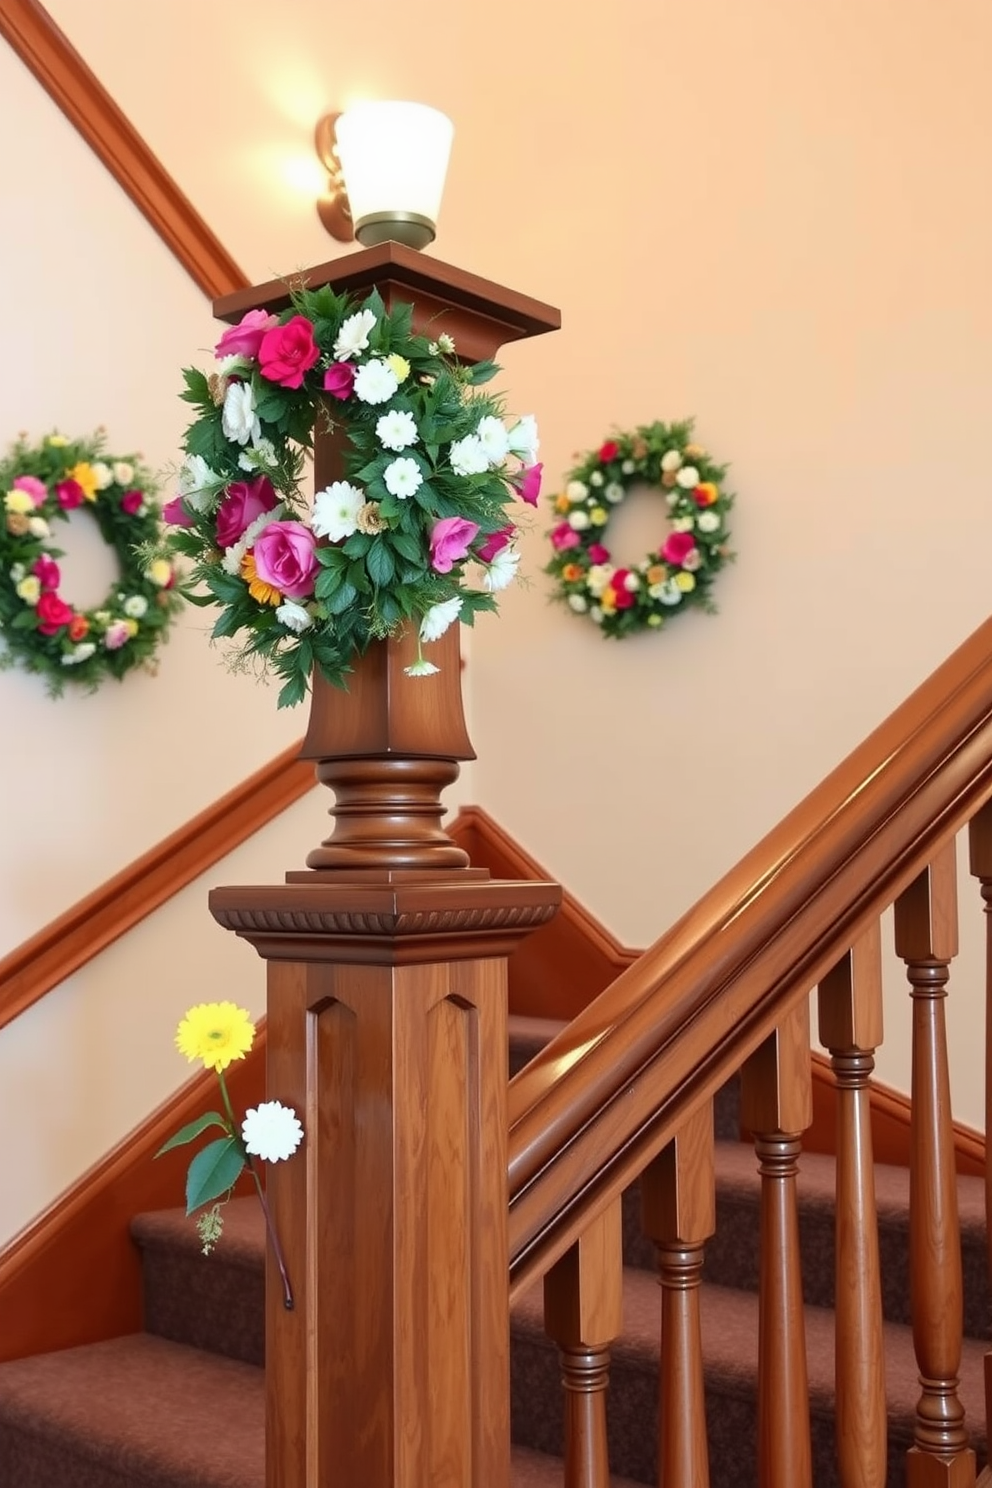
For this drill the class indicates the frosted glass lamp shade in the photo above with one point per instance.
(394, 157)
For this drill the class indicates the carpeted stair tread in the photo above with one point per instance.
(729, 1324)
(133, 1412)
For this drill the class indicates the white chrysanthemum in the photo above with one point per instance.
(446, 344)
(123, 472)
(375, 382)
(673, 498)
(17, 572)
(136, 605)
(598, 577)
(239, 420)
(614, 492)
(670, 593)
(421, 668)
(576, 490)
(294, 616)
(597, 614)
(468, 457)
(628, 467)
(671, 460)
(335, 510)
(402, 477)
(501, 571)
(102, 474)
(353, 336)
(683, 524)
(261, 456)
(38, 527)
(79, 653)
(439, 617)
(688, 477)
(578, 603)
(523, 439)
(231, 561)
(597, 478)
(708, 521)
(578, 521)
(396, 430)
(494, 439)
(271, 1131)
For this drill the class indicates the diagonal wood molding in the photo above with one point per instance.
(88, 106)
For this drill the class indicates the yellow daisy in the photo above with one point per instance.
(86, 479)
(215, 1032)
(258, 588)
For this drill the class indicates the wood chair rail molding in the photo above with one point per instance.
(613, 1088)
(87, 105)
(67, 943)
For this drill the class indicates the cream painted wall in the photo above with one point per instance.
(770, 216)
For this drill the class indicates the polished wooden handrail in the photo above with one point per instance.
(87, 927)
(615, 1085)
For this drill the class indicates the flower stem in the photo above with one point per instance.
(287, 1291)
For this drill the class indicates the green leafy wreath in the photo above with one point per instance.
(42, 486)
(675, 576)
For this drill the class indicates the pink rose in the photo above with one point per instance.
(287, 351)
(528, 483)
(450, 540)
(493, 544)
(678, 546)
(339, 379)
(286, 558)
(175, 513)
(598, 554)
(69, 494)
(52, 613)
(35, 488)
(46, 570)
(245, 500)
(131, 502)
(245, 338)
(563, 536)
(116, 634)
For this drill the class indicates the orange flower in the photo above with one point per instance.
(257, 588)
(78, 627)
(572, 572)
(608, 600)
(562, 503)
(705, 493)
(656, 574)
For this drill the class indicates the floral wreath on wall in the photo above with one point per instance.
(41, 486)
(418, 532)
(673, 577)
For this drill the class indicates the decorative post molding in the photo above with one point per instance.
(387, 996)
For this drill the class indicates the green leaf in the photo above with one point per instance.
(380, 564)
(340, 601)
(480, 373)
(213, 1172)
(192, 1130)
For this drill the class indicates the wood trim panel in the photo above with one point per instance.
(41, 963)
(74, 1276)
(87, 105)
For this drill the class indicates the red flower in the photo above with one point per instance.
(609, 451)
(339, 379)
(288, 351)
(677, 547)
(494, 543)
(598, 554)
(624, 598)
(69, 494)
(46, 571)
(131, 502)
(52, 613)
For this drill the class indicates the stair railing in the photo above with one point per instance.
(624, 1091)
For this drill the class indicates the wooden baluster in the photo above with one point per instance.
(583, 1313)
(777, 1107)
(850, 1025)
(927, 939)
(980, 848)
(678, 1198)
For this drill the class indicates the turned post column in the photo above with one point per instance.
(386, 1007)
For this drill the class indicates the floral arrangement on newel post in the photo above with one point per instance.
(218, 1033)
(419, 532)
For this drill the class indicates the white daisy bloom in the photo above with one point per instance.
(683, 524)
(136, 605)
(578, 521)
(239, 420)
(439, 617)
(38, 527)
(494, 439)
(353, 336)
(335, 510)
(578, 603)
(375, 382)
(669, 593)
(708, 521)
(688, 477)
(628, 467)
(421, 668)
(294, 616)
(271, 1131)
(576, 490)
(123, 472)
(396, 430)
(402, 477)
(671, 460)
(501, 571)
(614, 492)
(102, 474)
(468, 457)
(523, 440)
(597, 478)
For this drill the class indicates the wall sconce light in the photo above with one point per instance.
(386, 164)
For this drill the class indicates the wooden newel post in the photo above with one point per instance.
(387, 1032)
